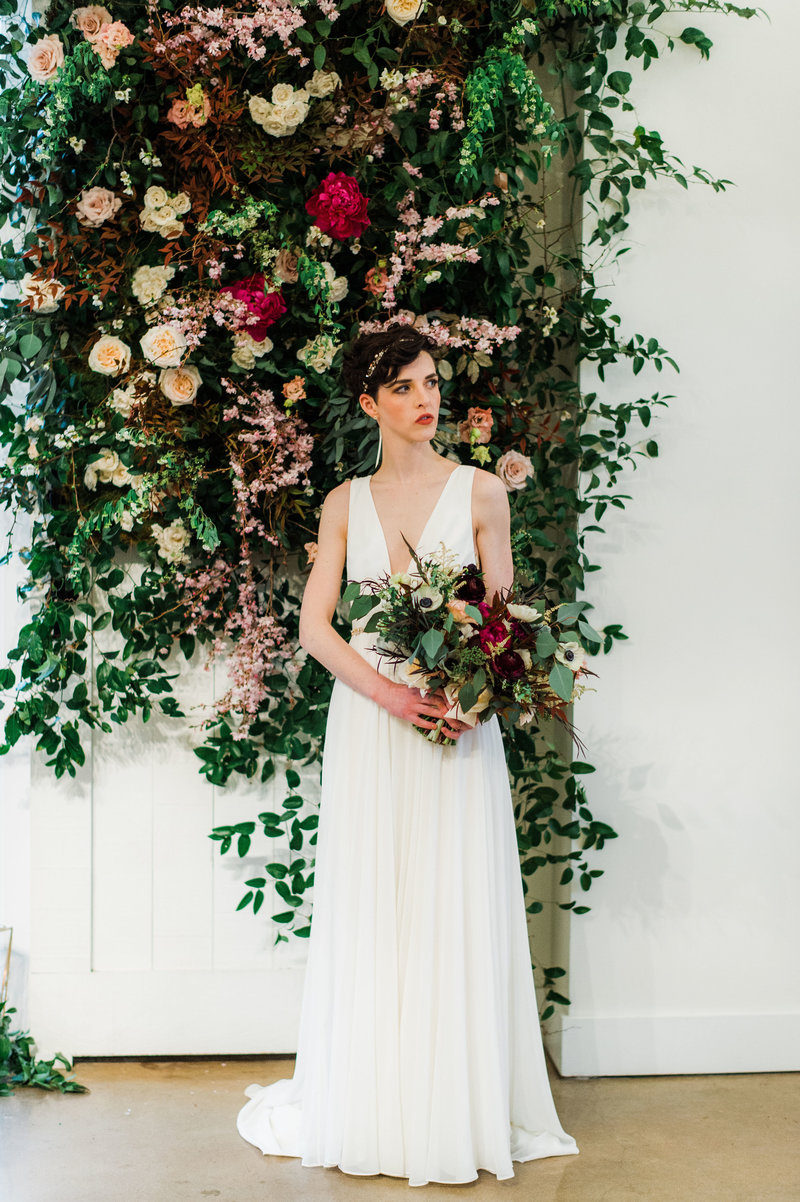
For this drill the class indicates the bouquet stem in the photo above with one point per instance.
(435, 735)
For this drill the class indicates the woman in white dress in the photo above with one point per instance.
(419, 1052)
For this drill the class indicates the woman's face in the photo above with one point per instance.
(409, 406)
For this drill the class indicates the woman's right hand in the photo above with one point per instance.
(420, 709)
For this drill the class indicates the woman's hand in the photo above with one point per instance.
(423, 710)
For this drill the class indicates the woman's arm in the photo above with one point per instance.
(319, 639)
(492, 517)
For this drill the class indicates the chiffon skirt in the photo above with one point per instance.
(419, 1052)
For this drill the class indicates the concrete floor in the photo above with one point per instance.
(164, 1131)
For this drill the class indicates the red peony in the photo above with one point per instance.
(493, 637)
(266, 306)
(338, 206)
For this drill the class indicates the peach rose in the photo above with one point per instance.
(294, 389)
(163, 345)
(457, 609)
(43, 295)
(109, 40)
(403, 11)
(311, 551)
(180, 384)
(89, 20)
(46, 58)
(514, 469)
(95, 206)
(478, 426)
(183, 114)
(376, 280)
(110, 356)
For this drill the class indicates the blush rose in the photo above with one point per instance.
(46, 58)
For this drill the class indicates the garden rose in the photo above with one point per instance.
(403, 11)
(458, 610)
(155, 197)
(246, 350)
(150, 283)
(294, 389)
(338, 206)
(322, 83)
(336, 283)
(514, 469)
(311, 551)
(163, 345)
(122, 400)
(172, 541)
(96, 206)
(183, 113)
(282, 93)
(266, 307)
(109, 40)
(285, 267)
(376, 281)
(180, 384)
(509, 665)
(478, 426)
(110, 356)
(90, 19)
(43, 295)
(318, 353)
(46, 58)
(108, 469)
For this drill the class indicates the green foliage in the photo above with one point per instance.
(19, 1066)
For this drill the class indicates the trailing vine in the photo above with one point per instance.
(201, 207)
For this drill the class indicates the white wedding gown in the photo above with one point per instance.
(419, 1052)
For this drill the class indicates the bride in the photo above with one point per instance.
(419, 1051)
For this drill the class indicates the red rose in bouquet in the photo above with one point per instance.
(266, 306)
(339, 206)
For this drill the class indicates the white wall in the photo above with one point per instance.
(689, 959)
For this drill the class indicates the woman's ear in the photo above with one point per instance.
(368, 404)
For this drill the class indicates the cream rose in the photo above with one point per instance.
(96, 206)
(46, 58)
(403, 11)
(322, 83)
(172, 540)
(150, 283)
(44, 295)
(260, 108)
(514, 469)
(122, 400)
(110, 356)
(171, 230)
(104, 468)
(90, 19)
(155, 197)
(181, 202)
(180, 384)
(318, 353)
(282, 93)
(163, 345)
(246, 350)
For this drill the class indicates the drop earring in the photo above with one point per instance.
(380, 445)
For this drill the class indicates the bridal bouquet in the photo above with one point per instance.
(518, 658)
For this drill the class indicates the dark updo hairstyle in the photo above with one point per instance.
(374, 360)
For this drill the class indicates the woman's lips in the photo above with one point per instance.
(425, 419)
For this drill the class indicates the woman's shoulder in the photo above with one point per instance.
(488, 486)
(338, 499)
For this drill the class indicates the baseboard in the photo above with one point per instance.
(638, 1045)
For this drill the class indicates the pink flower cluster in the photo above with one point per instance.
(193, 314)
(468, 333)
(263, 308)
(410, 249)
(219, 29)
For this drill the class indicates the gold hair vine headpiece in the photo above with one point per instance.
(375, 363)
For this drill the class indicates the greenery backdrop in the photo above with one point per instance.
(202, 204)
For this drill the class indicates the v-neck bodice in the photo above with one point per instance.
(450, 522)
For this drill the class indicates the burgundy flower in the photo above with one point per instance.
(470, 586)
(266, 306)
(493, 636)
(509, 665)
(338, 206)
